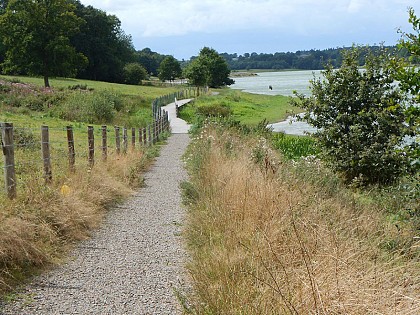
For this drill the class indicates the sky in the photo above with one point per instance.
(182, 27)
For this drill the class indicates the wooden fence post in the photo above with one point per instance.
(149, 141)
(140, 136)
(159, 126)
(155, 134)
(144, 136)
(9, 159)
(104, 144)
(117, 139)
(125, 142)
(70, 145)
(46, 157)
(91, 142)
(133, 138)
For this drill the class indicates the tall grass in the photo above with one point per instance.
(268, 236)
(39, 227)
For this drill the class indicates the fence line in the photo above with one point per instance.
(70, 146)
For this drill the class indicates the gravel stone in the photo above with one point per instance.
(133, 264)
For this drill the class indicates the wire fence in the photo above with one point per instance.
(33, 156)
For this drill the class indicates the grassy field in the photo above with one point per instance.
(247, 108)
(148, 92)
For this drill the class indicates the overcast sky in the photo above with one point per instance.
(182, 27)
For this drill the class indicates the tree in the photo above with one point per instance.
(134, 73)
(196, 73)
(150, 60)
(209, 68)
(36, 36)
(3, 6)
(409, 74)
(105, 44)
(169, 69)
(360, 119)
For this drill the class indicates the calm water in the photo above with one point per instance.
(283, 83)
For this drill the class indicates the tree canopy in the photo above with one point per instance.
(209, 68)
(169, 69)
(36, 36)
(150, 60)
(104, 43)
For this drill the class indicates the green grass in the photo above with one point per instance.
(131, 103)
(149, 92)
(249, 109)
(294, 147)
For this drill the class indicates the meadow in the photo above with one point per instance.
(249, 109)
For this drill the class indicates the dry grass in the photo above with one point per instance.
(39, 227)
(265, 240)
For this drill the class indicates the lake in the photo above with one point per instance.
(282, 83)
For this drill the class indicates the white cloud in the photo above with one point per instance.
(169, 17)
(350, 21)
(354, 6)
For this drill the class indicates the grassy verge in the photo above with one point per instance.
(245, 107)
(272, 236)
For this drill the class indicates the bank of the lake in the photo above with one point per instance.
(281, 83)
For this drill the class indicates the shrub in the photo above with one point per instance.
(134, 73)
(214, 110)
(96, 107)
(360, 116)
(25, 139)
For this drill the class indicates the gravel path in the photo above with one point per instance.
(133, 264)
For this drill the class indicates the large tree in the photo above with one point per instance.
(209, 68)
(36, 36)
(104, 43)
(360, 116)
(150, 60)
(3, 6)
(169, 69)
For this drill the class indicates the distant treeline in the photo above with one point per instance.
(303, 60)
(107, 48)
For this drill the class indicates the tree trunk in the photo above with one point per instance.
(46, 81)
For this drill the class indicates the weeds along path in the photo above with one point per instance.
(133, 264)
